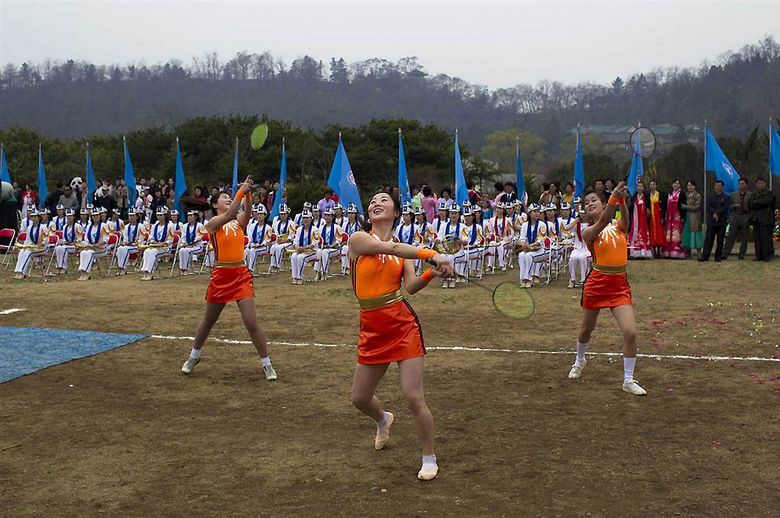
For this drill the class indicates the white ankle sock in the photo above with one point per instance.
(581, 348)
(265, 361)
(628, 368)
(195, 353)
(383, 421)
(429, 459)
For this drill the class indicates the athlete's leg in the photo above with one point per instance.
(411, 373)
(213, 310)
(249, 316)
(364, 383)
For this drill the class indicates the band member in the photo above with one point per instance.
(103, 214)
(93, 243)
(193, 242)
(230, 279)
(84, 218)
(27, 218)
(58, 221)
(259, 233)
(553, 225)
(579, 259)
(338, 215)
(450, 235)
(299, 217)
(317, 220)
(532, 236)
(71, 233)
(442, 216)
(45, 215)
(34, 244)
(352, 226)
(389, 329)
(500, 233)
(173, 220)
(115, 223)
(284, 230)
(331, 243)
(159, 242)
(607, 284)
(305, 248)
(472, 239)
(133, 234)
(407, 232)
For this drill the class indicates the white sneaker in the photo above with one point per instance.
(270, 373)
(189, 365)
(383, 433)
(576, 372)
(632, 387)
(571, 284)
(428, 472)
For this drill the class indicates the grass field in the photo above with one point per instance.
(515, 437)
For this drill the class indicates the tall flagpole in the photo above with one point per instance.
(770, 154)
(705, 174)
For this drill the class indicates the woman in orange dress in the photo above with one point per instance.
(607, 284)
(389, 328)
(230, 278)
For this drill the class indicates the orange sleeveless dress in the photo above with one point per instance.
(230, 278)
(389, 328)
(607, 284)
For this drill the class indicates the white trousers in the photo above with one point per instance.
(499, 250)
(528, 268)
(345, 257)
(458, 261)
(150, 259)
(185, 255)
(251, 253)
(277, 254)
(298, 262)
(578, 261)
(61, 252)
(25, 260)
(475, 258)
(87, 260)
(123, 255)
(325, 256)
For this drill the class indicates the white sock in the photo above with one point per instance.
(581, 348)
(429, 459)
(265, 360)
(383, 421)
(195, 353)
(628, 368)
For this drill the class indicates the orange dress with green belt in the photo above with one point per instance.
(230, 278)
(607, 284)
(389, 328)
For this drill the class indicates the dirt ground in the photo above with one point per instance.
(514, 436)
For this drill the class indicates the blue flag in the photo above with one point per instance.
(461, 192)
(4, 175)
(43, 190)
(132, 189)
(774, 152)
(579, 170)
(403, 178)
(282, 185)
(715, 160)
(637, 170)
(181, 184)
(90, 177)
(235, 171)
(519, 179)
(342, 181)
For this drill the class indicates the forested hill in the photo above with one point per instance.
(736, 92)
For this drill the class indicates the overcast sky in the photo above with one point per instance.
(485, 42)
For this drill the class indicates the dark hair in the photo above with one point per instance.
(609, 180)
(447, 191)
(569, 184)
(692, 182)
(743, 179)
(427, 191)
(545, 186)
(556, 184)
(367, 226)
(498, 186)
(760, 179)
(601, 195)
(676, 180)
(599, 180)
(719, 182)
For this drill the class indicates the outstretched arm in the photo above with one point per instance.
(218, 221)
(361, 243)
(617, 199)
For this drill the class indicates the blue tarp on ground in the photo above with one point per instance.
(24, 350)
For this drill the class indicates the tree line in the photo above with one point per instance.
(207, 146)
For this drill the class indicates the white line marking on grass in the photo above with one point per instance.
(11, 310)
(489, 350)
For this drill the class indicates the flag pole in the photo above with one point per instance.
(705, 175)
(770, 154)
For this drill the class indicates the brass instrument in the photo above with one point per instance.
(292, 250)
(451, 245)
(520, 247)
(31, 247)
(144, 246)
(281, 238)
(89, 246)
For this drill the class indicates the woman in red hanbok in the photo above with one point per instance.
(639, 240)
(674, 224)
(655, 201)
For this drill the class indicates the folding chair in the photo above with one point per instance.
(14, 250)
(10, 235)
(40, 259)
(108, 252)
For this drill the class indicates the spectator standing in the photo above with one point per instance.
(762, 215)
(693, 235)
(428, 203)
(717, 219)
(326, 202)
(68, 199)
(739, 223)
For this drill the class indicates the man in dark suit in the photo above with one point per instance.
(762, 215)
(739, 222)
(717, 218)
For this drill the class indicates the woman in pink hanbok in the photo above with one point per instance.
(674, 224)
(639, 239)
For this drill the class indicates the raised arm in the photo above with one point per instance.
(617, 199)
(243, 218)
(361, 243)
(218, 221)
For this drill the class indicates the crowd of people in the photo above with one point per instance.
(484, 234)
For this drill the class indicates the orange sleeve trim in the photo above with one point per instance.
(425, 254)
(427, 275)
